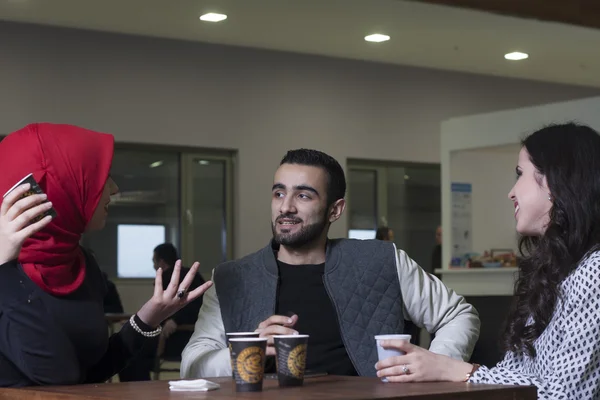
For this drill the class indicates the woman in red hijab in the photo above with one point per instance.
(52, 326)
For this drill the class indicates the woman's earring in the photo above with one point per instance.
(549, 197)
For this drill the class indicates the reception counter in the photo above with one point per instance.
(480, 281)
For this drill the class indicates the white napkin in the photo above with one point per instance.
(197, 385)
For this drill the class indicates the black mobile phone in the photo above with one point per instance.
(34, 189)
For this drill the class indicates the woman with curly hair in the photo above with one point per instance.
(552, 338)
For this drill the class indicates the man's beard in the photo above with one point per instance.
(307, 234)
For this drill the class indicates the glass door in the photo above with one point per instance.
(207, 210)
(406, 197)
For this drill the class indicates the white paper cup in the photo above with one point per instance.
(387, 353)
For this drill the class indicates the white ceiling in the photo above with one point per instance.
(422, 35)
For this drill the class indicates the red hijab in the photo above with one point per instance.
(71, 165)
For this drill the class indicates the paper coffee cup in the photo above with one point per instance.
(238, 335)
(249, 357)
(387, 353)
(291, 359)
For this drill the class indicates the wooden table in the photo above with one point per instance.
(328, 387)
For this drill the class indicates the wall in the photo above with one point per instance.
(260, 103)
(492, 174)
(498, 132)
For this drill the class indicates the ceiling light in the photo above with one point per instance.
(156, 164)
(203, 162)
(377, 38)
(516, 56)
(213, 17)
(406, 177)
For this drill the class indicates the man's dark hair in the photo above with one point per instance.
(166, 252)
(336, 180)
(382, 233)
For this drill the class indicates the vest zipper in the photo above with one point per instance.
(337, 317)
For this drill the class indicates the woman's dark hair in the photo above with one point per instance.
(568, 156)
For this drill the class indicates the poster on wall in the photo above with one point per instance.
(461, 219)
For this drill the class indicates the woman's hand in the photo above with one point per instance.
(15, 220)
(419, 365)
(165, 303)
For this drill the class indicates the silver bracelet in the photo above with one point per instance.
(136, 328)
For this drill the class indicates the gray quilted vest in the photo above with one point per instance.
(360, 278)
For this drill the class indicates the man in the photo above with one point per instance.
(341, 292)
(387, 234)
(165, 256)
(384, 233)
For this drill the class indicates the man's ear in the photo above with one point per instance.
(336, 210)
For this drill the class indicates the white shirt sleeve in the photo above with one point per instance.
(432, 305)
(206, 354)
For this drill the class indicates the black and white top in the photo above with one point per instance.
(567, 365)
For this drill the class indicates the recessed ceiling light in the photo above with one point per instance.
(213, 17)
(203, 162)
(516, 56)
(377, 38)
(156, 164)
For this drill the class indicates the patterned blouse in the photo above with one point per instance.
(567, 365)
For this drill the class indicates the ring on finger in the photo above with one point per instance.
(181, 293)
(405, 369)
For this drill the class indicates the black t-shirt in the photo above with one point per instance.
(302, 291)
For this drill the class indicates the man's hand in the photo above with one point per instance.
(276, 325)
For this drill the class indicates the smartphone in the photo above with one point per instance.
(34, 189)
